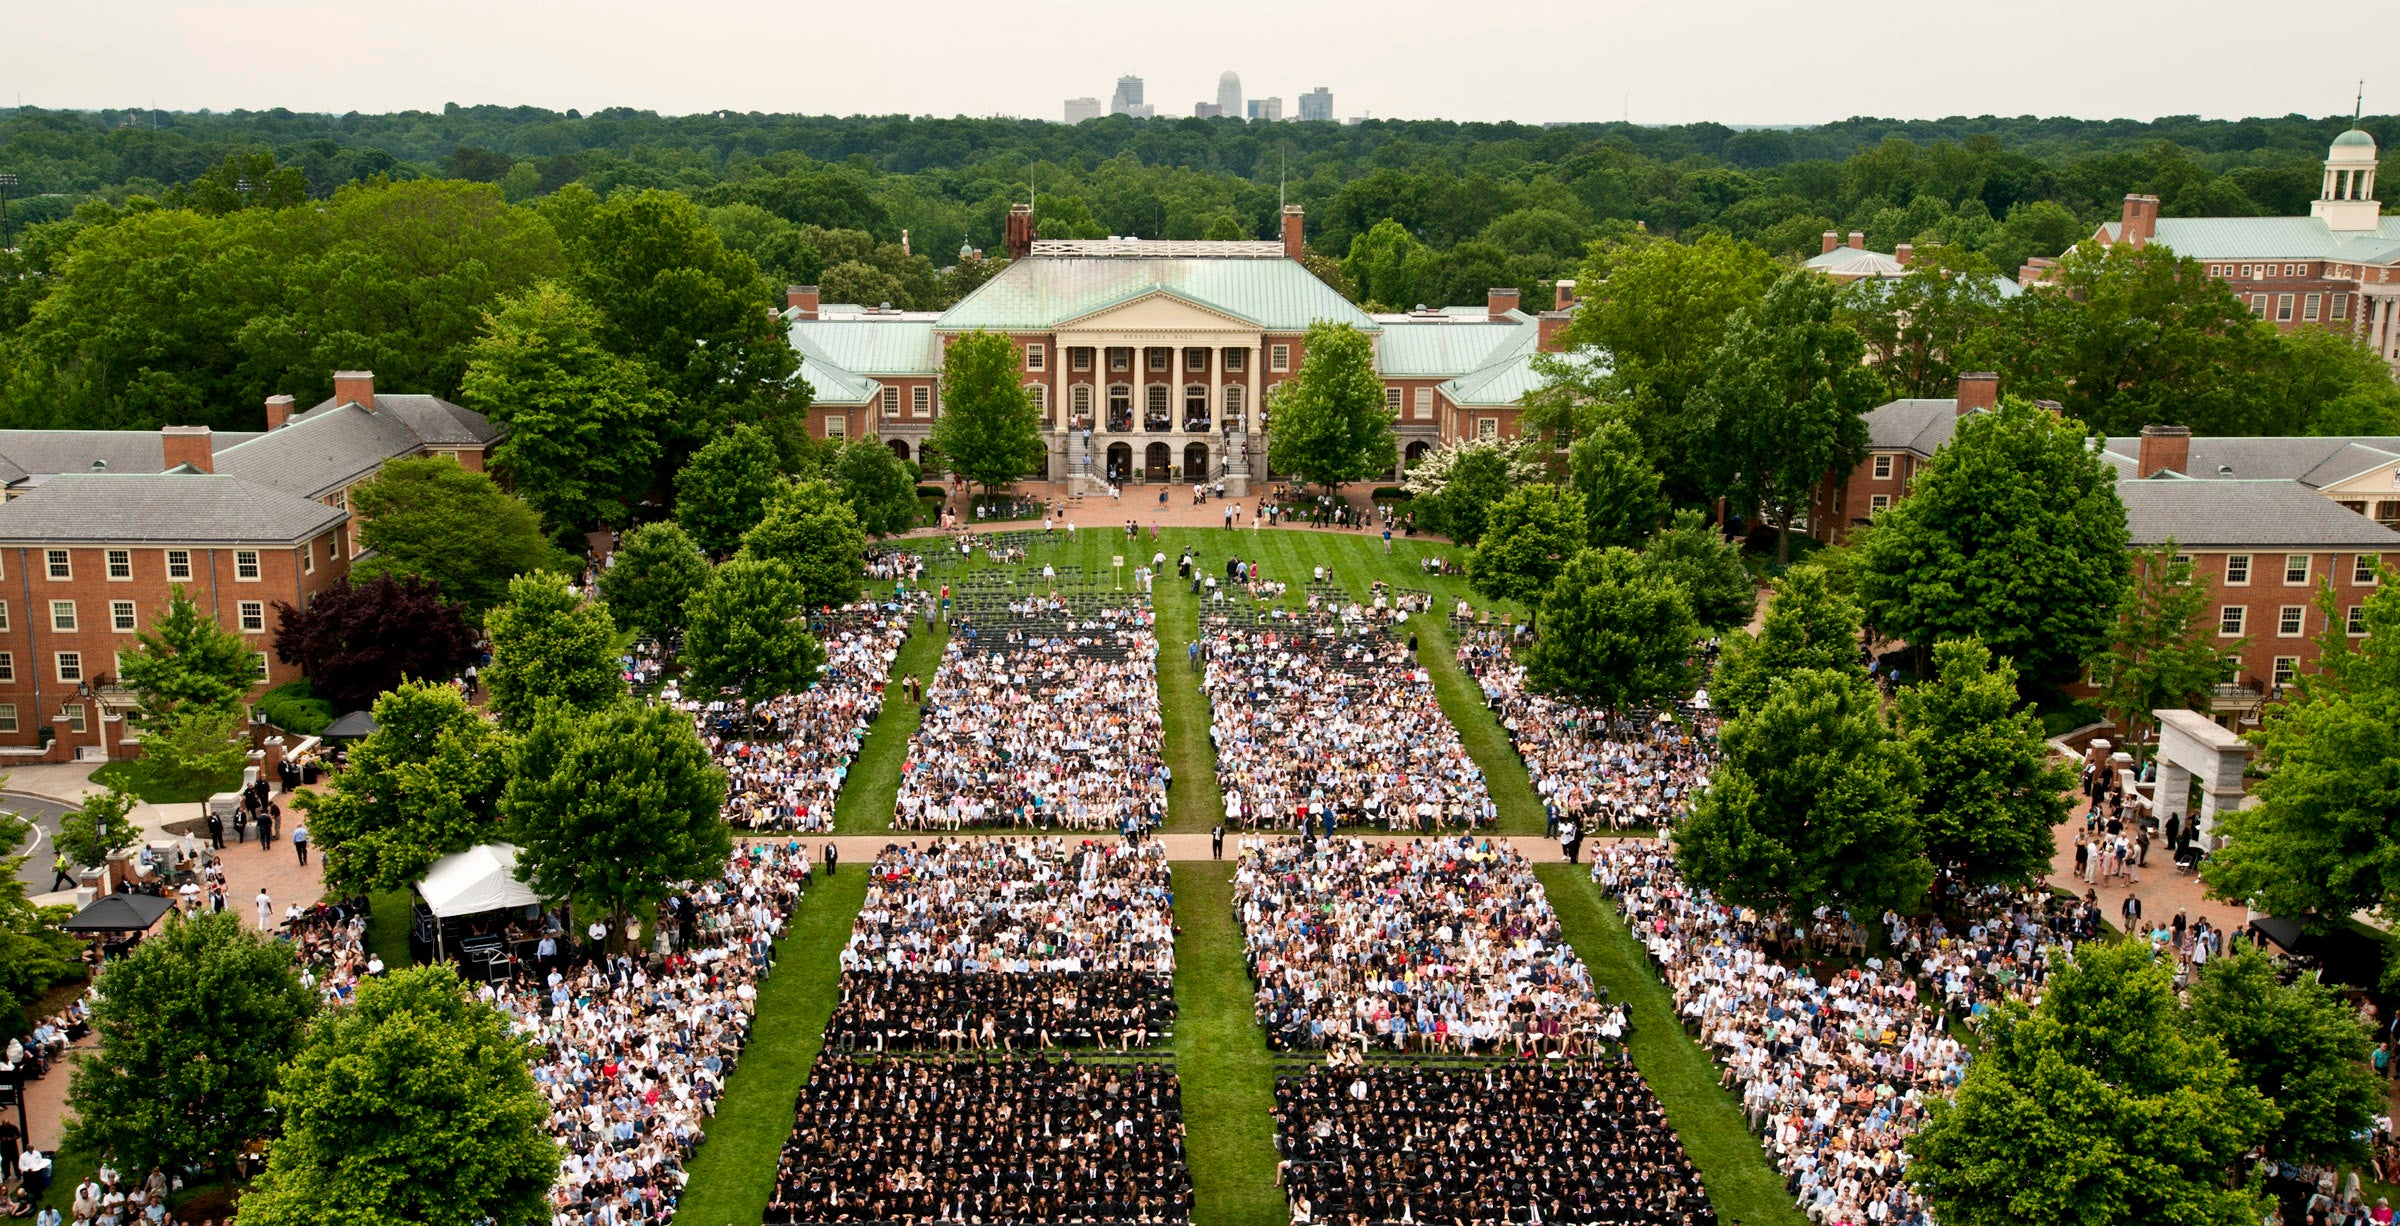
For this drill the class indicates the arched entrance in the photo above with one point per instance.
(1158, 463)
(1416, 451)
(1195, 462)
(900, 448)
(1120, 461)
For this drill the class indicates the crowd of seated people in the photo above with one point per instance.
(1318, 725)
(1042, 715)
(1432, 946)
(1519, 1141)
(785, 759)
(879, 1139)
(329, 942)
(958, 1011)
(1594, 767)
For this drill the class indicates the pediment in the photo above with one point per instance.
(1159, 310)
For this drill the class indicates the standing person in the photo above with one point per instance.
(1570, 836)
(1387, 538)
(833, 858)
(1216, 842)
(61, 871)
(216, 829)
(300, 840)
(266, 910)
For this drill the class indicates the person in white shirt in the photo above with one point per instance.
(266, 910)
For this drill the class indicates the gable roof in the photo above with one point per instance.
(2312, 460)
(1856, 262)
(322, 450)
(1449, 346)
(172, 508)
(2269, 514)
(1916, 426)
(872, 345)
(2292, 238)
(827, 382)
(1040, 292)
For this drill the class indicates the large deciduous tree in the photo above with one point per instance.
(2098, 1106)
(1454, 488)
(1328, 424)
(989, 431)
(1808, 625)
(432, 519)
(747, 631)
(2299, 1045)
(2013, 534)
(880, 486)
(551, 647)
(186, 660)
(357, 640)
(810, 528)
(1528, 539)
(1615, 634)
(1690, 552)
(651, 577)
(583, 423)
(725, 488)
(2164, 651)
(1615, 486)
(194, 1027)
(99, 828)
(1919, 326)
(424, 784)
(1815, 805)
(412, 1107)
(1990, 791)
(34, 951)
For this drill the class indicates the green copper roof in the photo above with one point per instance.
(2259, 238)
(1440, 349)
(1039, 293)
(828, 383)
(871, 346)
(2353, 138)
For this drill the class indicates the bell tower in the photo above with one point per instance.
(2347, 201)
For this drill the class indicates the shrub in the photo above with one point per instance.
(295, 707)
(1389, 493)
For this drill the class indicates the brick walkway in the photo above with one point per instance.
(2162, 889)
(1140, 504)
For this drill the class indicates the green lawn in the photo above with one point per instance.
(1741, 1184)
(1228, 1077)
(140, 777)
(733, 1174)
(874, 782)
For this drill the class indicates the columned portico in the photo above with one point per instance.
(1162, 323)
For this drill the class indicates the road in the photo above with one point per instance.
(38, 849)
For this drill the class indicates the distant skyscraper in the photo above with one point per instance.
(1229, 95)
(1128, 99)
(1317, 104)
(1080, 109)
(1268, 109)
(1205, 110)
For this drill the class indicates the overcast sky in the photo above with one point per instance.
(1735, 61)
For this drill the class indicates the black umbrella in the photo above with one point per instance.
(350, 727)
(120, 913)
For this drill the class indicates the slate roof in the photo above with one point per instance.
(1918, 427)
(2287, 238)
(432, 419)
(177, 508)
(322, 450)
(1040, 292)
(2270, 514)
(2311, 460)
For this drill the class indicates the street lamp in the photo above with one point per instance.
(7, 181)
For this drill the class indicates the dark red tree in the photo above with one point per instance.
(358, 640)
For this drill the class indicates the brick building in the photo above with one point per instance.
(1150, 360)
(98, 527)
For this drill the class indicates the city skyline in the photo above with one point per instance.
(1612, 60)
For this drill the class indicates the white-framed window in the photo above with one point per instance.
(2362, 569)
(1391, 400)
(73, 712)
(2295, 569)
(121, 617)
(308, 558)
(3, 615)
(2354, 621)
(1195, 360)
(1424, 404)
(1487, 427)
(2230, 619)
(2237, 569)
(2283, 308)
(1878, 504)
(2216, 270)
(1039, 394)
(837, 425)
(2289, 621)
(1235, 401)
(920, 402)
(62, 616)
(891, 402)
(2339, 308)
(2286, 668)
(2291, 270)
(120, 565)
(1079, 358)
(1120, 359)
(1079, 399)
(2258, 305)
(1234, 360)
(179, 564)
(8, 666)
(1883, 467)
(1279, 358)
(245, 566)
(258, 665)
(61, 564)
(2309, 307)
(1158, 356)
(70, 666)
(8, 717)
(1037, 355)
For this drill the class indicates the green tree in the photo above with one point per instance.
(195, 749)
(99, 828)
(1917, 327)
(1328, 423)
(1615, 485)
(2014, 535)
(611, 810)
(194, 1027)
(1530, 535)
(2300, 1046)
(1808, 626)
(1815, 805)
(2097, 1106)
(434, 520)
(1785, 400)
(1991, 794)
(810, 529)
(725, 488)
(550, 646)
(2164, 651)
(880, 486)
(424, 784)
(1457, 485)
(35, 952)
(989, 430)
(747, 631)
(1690, 552)
(1614, 634)
(185, 659)
(356, 640)
(654, 572)
(1390, 268)
(413, 1106)
(583, 422)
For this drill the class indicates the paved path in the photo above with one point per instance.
(39, 848)
(862, 848)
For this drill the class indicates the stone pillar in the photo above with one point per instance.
(2173, 787)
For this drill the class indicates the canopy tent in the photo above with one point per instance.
(120, 913)
(476, 880)
(349, 727)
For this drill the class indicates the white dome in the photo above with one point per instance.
(2352, 147)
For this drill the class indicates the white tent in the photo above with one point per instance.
(476, 880)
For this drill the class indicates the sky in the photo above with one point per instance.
(1732, 61)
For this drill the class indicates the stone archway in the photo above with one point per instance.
(2192, 746)
(899, 447)
(1195, 462)
(1416, 451)
(1158, 463)
(1120, 462)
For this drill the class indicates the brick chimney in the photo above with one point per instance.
(1292, 248)
(1832, 240)
(801, 298)
(2164, 449)
(1858, 240)
(188, 445)
(1016, 236)
(1979, 389)
(279, 411)
(355, 386)
(2139, 224)
(1565, 296)
(1552, 323)
(1904, 253)
(1499, 302)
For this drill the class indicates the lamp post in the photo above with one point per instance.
(7, 181)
